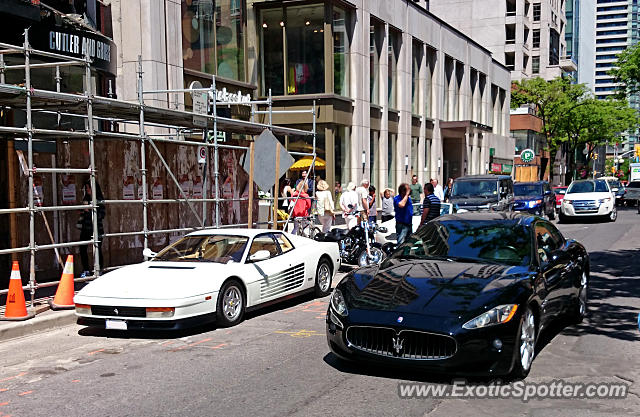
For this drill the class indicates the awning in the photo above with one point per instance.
(304, 163)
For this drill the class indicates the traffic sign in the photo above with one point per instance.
(202, 154)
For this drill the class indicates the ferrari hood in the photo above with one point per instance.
(157, 280)
(435, 288)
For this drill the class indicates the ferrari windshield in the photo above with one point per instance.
(527, 189)
(217, 248)
(475, 241)
(476, 188)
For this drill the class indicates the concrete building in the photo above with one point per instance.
(580, 35)
(399, 91)
(616, 28)
(526, 36)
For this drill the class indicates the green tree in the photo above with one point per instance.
(627, 71)
(593, 123)
(553, 101)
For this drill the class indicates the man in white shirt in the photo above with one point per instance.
(437, 189)
(349, 205)
(363, 195)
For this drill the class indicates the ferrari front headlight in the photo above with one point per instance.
(497, 315)
(338, 304)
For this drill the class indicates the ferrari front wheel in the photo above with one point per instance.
(231, 304)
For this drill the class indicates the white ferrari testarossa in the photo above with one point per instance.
(208, 275)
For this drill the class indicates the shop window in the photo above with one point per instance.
(391, 161)
(374, 156)
(395, 43)
(272, 57)
(342, 156)
(213, 37)
(305, 49)
(340, 26)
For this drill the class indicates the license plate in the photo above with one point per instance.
(116, 324)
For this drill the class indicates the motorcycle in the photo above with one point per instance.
(357, 245)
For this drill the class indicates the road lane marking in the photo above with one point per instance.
(96, 351)
(218, 346)
(25, 393)
(301, 333)
(167, 342)
(192, 344)
(4, 403)
(4, 389)
(13, 377)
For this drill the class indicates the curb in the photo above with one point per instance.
(45, 321)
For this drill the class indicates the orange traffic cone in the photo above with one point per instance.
(16, 306)
(63, 299)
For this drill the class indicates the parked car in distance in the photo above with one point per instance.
(443, 305)
(632, 197)
(588, 198)
(560, 192)
(482, 193)
(535, 198)
(617, 188)
(208, 275)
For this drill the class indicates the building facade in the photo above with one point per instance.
(616, 28)
(398, 90)
(580, 35)
(526, 36)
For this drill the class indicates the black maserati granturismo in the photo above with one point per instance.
(467, 293)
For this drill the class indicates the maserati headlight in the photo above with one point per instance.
(497, 315)
(338, 303)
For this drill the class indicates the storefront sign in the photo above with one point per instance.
(223, 96)
(76, 44)
(527, 155)
(507, 169)
(496, 167)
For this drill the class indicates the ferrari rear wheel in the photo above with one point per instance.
(525, 345)
(231, 304)
(323, 278)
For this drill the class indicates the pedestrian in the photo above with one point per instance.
(403, 207)
(363, 195)
(430, 205)
(437, 189)
(349, 205)
(301, 206)
(372, 203)
(448, 189)
(387, 205)
(85, 224)
(310, 182)
(285, 194)
(416, 189)
(325, 206)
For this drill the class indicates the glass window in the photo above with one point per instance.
(272, 56)
(342, 155)
(427, 152)
(536, 12)
(207, 25)
(546, 242)
(285, 244)
(535, 64)
(415, 76)
(554, 47)
(374, 156)
(340, 51)
(264, 242)
(305, 49)
(230, 38)
(536, 38)
(431, 64)
(375, 46)
(395, 42)
(391, 161)
(217, 248)
(414, 155)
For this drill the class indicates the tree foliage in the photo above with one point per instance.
(627, 71)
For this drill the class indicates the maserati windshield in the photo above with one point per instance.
(474, 241)
(218, 248)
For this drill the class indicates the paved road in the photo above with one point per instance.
(277, 363)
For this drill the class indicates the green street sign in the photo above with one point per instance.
(527, 155)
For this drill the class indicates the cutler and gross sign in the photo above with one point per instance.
(223, 96)
(102, 50)
(527, 155)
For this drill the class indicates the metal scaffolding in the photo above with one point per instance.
(92, 109)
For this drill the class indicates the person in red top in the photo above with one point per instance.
(302, 206)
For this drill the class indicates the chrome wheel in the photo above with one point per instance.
(527, 340)
(582, 295)
(324, 277)
(377, 255)
(232, 303)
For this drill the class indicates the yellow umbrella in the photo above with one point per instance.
(304, 163)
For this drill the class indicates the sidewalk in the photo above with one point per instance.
(45, 319)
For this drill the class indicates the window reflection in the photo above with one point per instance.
(305, 49)
(272, 56)
(375, 46)
(340, 52)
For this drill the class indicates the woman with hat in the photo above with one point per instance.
(349, 205)
(325, 206)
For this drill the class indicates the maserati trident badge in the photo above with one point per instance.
(397, 344)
